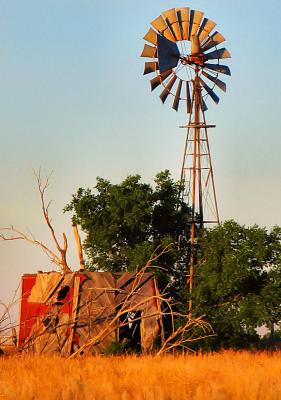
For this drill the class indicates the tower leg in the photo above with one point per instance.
(197, 179)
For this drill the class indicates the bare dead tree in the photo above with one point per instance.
(42, 185)
(11, 233)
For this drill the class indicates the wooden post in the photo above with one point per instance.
(79, 246)
(73, 316)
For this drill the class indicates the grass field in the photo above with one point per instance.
(223, 376)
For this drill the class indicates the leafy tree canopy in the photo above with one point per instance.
(237, 283)
(126, 223)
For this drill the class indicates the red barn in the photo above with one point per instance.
(87, 311)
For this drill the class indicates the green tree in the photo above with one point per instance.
(238, 282)
(271, 292)
(126, 223)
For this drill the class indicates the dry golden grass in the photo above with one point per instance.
(224, 376)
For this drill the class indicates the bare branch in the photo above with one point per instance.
(42, 185)
(178, 338)
(18, 235)
(156, 255)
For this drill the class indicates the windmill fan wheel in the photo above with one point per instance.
(182, 45)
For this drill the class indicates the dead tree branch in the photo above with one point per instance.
(16, 234)
(11, 233)
(42, 185)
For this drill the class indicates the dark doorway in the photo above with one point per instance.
(130, 331)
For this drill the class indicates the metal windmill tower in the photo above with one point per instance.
(185, 58)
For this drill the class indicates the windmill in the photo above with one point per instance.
(185, 58)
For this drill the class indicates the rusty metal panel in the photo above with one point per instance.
(46, 284)
(47, 318)
(96, 310)
(129, 283)
(50, 339)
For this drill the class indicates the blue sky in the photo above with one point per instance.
(73, 99)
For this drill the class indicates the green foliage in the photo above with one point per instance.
(238, 282)
(126, 223)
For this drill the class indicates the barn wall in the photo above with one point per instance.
(57, 317)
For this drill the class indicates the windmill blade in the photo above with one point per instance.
(155, 82)
(151, 36)
(161, 26)
(195, 45)
(203, 105)
(215, 80)
(188, 98)
(218, 68)
(218, 54)
(213, 41)
(169, 35)
(172, 22)
(195, 21)
(206, 27)
(149, 51)
(171, 29)
(150, 67)
(183, 18)
(210, 91)
(168, 54)
(163, 96)
(177, 96)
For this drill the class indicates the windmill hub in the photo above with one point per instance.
(195, 59)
